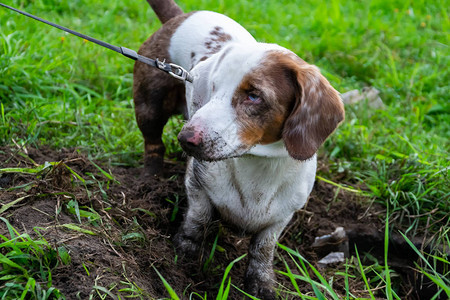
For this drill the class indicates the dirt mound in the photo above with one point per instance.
(118, 225)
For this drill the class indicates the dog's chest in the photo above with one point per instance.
(254, 192)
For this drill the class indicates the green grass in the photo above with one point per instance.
(57, 90)
(27, 264)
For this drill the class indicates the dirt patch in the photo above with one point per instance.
(132, 220)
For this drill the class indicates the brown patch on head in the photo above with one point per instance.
(294, 102)
(262, 120)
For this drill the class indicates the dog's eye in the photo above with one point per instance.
(253, 98)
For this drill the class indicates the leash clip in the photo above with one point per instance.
(174, 70)
(179, 73)
(162, 65)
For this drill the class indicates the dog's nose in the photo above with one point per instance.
(190, 139)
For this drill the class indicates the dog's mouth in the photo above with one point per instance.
(201, 156)
(210, 148)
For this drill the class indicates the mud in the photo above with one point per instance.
(137, 217)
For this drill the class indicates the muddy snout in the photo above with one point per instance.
(191, 140)
(207, 144)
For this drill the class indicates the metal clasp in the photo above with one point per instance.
(180, 73)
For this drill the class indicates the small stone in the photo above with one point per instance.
(331, 258)
(371, 94)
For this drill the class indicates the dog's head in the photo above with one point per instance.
(258, 94)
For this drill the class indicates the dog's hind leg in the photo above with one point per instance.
(157, 96)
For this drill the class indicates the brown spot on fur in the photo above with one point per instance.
(262, 122)
(192, 58)
(215, 42)
(220, 35)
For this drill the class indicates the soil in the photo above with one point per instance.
(138, 216)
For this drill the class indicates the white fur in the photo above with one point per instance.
(264, 191)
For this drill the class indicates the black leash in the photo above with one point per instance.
(172, 69)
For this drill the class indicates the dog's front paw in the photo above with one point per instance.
(259, 288)
(186, 246)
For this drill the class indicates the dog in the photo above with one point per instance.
(256, 116)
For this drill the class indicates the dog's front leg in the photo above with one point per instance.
(196, 220)
(259, 278)
(192, 230)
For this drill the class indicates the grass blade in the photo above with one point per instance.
(77, 228)
(6, 206)
(436, 278)
(7, 261)
(20, 170)
(245, 293)
(343, 187)
(106, 174)
(105, 290)
(169, 289)
(364, 275)
(31, 284)
(211, 255)
(386, 265)
(220, 294)
(292, 278)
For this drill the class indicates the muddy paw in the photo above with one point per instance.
(153, 166)
(186, 246)
(260, 289)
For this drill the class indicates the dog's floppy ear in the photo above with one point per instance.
(316, 113)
